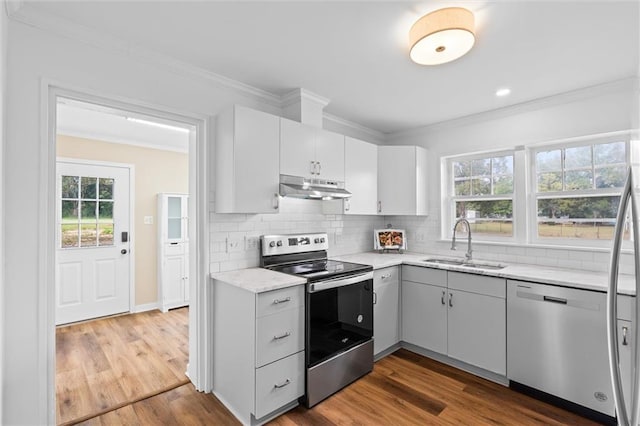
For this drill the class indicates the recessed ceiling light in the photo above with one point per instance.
(503, 92)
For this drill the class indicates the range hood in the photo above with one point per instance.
(312, 189)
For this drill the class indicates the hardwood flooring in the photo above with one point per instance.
(110, 362)
(403, 389)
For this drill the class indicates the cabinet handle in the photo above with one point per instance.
(285, 383)
(285, 300)
(319, 168)
(276, 201)
(624, 336)
(312, 167)
(442, 298)
(375, 298)
(555, 300)
(451, 300)
(379, 206)
(282, 336)
(347, 205)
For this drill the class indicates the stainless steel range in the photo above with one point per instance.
(339, 311)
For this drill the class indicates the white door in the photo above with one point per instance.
(92, 256)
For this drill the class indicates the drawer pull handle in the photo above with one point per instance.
(624, 336)
(282, 336)
(279, 386)
(555, 300)
(285, 300)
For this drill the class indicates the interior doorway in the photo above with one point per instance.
(112, 165)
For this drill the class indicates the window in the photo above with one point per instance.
(577, 189)
(483, 193)
(86, 212)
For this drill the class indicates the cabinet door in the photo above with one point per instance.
(256, 171)
(424, 316)
(477, 330)
(361, 176)
(174, 218)
(173, 281)
(386, 309)
(330, 155)
(397, 180)
(297, 148)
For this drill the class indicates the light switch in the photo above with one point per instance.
(148, 220)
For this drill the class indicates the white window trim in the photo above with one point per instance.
(622, 136)
(447, 191)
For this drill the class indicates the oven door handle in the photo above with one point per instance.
(339, 282)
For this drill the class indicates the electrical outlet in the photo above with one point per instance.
(251, 243)
(148, 220)
(234, 245)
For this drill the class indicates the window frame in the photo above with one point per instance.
(448, 189)
(534, 195)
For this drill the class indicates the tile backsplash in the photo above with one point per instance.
(234, 236)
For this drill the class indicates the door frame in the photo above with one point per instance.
(131, 227)
(199, 369)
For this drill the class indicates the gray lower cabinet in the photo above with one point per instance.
(456, 314)
(258, 354)
(386, 324)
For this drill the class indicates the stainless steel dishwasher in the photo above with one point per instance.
(557, 343)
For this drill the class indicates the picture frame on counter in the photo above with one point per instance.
(389, 239)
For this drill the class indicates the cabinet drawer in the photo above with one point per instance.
(479, 284)
(174, 248)
(279, 335)
(422, 275)
(386, 275)
(279, 383)
(275, 301)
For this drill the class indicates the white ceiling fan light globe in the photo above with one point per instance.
(442, 36)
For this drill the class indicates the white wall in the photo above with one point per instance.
(3, 85)
(607, 108)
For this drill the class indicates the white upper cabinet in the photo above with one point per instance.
(247, 164)
(310, 152)
(361, 176)
(402, 180)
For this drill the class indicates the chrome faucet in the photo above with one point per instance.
(467, 255)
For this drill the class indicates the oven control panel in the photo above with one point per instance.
(294, 243)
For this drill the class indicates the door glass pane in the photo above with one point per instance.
(70, 186)
(174, 228)
(174, 207)
(69, 211)
(105, 237)
(88, 210)
(105, 210)
(88, 234)
(106, 189)
(69, 235)
(88, 186)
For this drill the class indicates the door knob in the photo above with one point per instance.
(123, 251)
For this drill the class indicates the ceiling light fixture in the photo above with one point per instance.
(503, 92)
(442, 36)
(161, 125)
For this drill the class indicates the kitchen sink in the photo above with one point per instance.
(464, 263)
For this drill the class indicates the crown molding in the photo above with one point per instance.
(374, 134)
(23, 13)
(625, 84)
(295, 95)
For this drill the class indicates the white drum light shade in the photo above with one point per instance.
(442, 36)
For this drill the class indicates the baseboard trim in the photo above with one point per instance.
(145, 307)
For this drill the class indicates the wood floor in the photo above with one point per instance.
(107, 363)
(403, 389)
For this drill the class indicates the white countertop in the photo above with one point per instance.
(258, 280)
(586, 280)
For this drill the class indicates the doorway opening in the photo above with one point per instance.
(121, 255)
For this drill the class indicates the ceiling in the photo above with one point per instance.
(355, 53)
